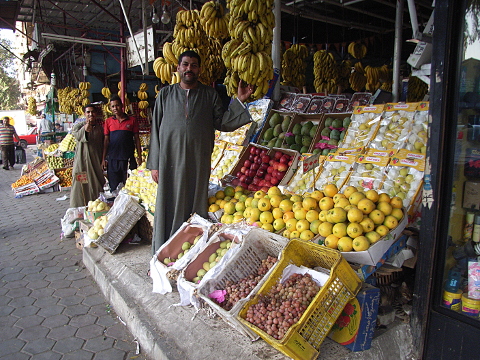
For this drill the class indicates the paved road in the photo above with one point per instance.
(50, 307)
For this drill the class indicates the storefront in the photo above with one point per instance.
(446, 322)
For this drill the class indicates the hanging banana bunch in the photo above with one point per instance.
(106, 93)
(213, 20)
(119, 93)
(417, 89)
(157, 90)
(68, 100)
(82, 98)
(358, 80)
(325, 71)
(293, 65)
(344, 71)
(212, 65)
(31, 106)
(357, 50)
(247, 55)
(163, 70)
(143, 96)
(189, 34)
(375, 76)
(387, 80)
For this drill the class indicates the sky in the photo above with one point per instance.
(5, 33)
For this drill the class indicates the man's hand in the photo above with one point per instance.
(243, 93)
(104, 165)
(154, 174)
(139, 160)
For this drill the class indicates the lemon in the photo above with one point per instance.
(345, 244)
(361, 243)
(331, 241)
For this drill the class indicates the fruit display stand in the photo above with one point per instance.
(46, 179)
(417, 140)
(257, 245)
(330, 133)
(276, 125)
(65, 176)
(303, 129)
(304, 338)
(122, 217)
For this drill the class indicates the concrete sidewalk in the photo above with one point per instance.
(50, 307)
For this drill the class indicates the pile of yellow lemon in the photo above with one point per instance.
(347, 221)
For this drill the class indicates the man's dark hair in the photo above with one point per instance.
(189, 53)
(87, 106)
(116, 98)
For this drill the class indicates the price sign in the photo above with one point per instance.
(81, 177)
(310, 163)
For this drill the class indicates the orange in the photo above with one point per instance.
(309, 203)
(382, 230)
(355, 215)
(214, 207)
(266, 217)
(326, 203)
(331, 241)
(264, 204)
(220, 194)
(211, 200)
(229, 208)
(314, 225)
(338, 215)
(377, 216)
(330, 190)
(277, 213)
(306, 235)
(325, 229)
(367, 225)
(286, 205)
(275, 200)
(291, 224)
(338, 196)
(294, 234)
(397, 213)
(286, 234)
(361, 243)
(278, 224)
(288, 215)
(349, 191)
(343, 203)
(317, 195)
(345, 244)
(229, 191)
(390, 221)
(268, 227)
(396, 202)
(297, 206)
(300, 214)
(259, 194)
(274, 191)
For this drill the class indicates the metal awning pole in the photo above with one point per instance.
(397, 52)
(123, 81)
(145, 37)
(276, 46)
(131, 32)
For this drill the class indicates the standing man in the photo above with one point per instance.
(185, 118)
(121, 140)
(88, 158)
(7, 133)
(44, 125)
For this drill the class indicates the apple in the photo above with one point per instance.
(275, 173)
(268, 184)
(264, 166)
(258, 151)
(290, 163)
(278, 155)
(262, 182)
(243, 178)
(271, 162)
(238, 174)
(253, 150)
(268, 177)
(251, 157)
(282, 167)
(265, 188)
(235, 182)
(251, 187)
(249, 179)
(247, 163)
(255, 180)
(259, 160)
(266, 159)
(263, 152)
(269, 169)
(250, 173)
(284, 159)
(260, 173)
(274, 181)
(243, 184)
(243, 169)
(255, 166)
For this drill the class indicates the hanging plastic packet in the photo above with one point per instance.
(335, 170)
(368, 172)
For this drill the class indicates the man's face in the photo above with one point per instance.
(188, 70)
(116, 107)
(90, 114)
(6, 121)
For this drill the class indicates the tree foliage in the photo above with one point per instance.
(10, 94)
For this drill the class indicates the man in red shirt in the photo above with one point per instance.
(121, 139)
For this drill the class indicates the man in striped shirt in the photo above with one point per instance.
(7, 133)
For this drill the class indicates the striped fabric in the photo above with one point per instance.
(6, 135)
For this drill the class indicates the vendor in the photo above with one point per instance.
(44, 125)
(58, 127)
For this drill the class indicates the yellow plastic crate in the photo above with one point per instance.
(303, 339)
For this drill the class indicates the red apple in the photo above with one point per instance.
(251, 157)
(255, 180)
(243, 169)
(290, 163)
(265, 188)
(238, 174)
(258, 151)
(243, 178)
(271, 162)
(284, 159)
(282, 167)
(268, 177)
(251, 187)
(235, 182)
(255, 166)
(247, 163)
(278, 155)
(269, 169)
(274, 181)
(260, 173)
(264, 166)
(249, 180)
(280, 175)
(243, 185)
(253, 150)
(266, 159)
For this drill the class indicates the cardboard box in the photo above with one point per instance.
(364, 271)
(355, 327)
(377, 250)
(79, 240)
(266, 124)
(421, 55)
(84, 225)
